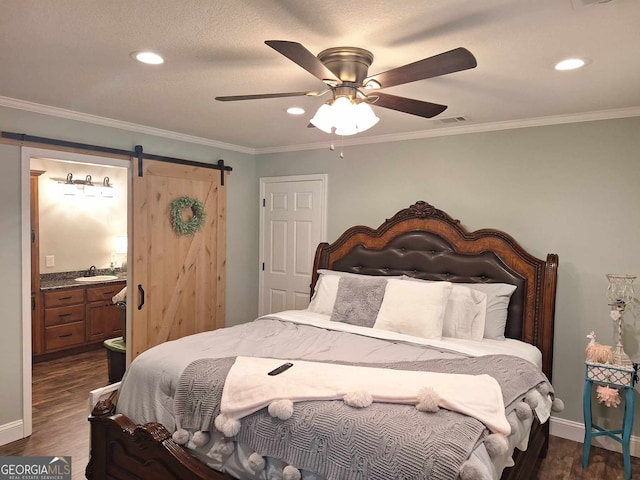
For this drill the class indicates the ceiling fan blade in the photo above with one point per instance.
(407, 105)
(297, 53)
(448, 62)
(233, 98)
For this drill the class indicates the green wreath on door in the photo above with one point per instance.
(192, 225)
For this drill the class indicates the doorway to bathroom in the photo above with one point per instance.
(77, 270)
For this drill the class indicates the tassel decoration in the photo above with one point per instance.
(609, 396)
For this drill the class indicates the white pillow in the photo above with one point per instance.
(498, 298)
(324, 295)
(414, 308)
(465, 314)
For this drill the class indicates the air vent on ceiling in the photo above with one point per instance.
(458, 119)
(578, 4)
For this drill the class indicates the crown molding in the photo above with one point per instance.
(399, 137)
(465, 129)
(108, 122)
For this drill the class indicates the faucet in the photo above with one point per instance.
(91, 272)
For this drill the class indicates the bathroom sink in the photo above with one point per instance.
(96, 278)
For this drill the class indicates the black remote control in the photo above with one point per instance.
(280, 369)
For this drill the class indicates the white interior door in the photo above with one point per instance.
(293, 223)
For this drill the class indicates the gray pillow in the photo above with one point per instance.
(358, 300)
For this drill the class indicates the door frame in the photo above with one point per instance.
(322, 177)
(26, 153)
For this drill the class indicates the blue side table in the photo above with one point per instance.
(615, 377)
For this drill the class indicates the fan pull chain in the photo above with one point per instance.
(332, 147)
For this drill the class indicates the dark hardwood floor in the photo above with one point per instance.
(60, 408)
(60, 427)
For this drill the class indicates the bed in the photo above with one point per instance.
(420, 244)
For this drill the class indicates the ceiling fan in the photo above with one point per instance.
(344, 71)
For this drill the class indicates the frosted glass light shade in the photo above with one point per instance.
(322, 118)
(346, 117)
(365, 118)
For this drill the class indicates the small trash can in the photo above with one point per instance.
(116, 358)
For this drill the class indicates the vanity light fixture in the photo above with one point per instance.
(91, 191)
(107, 188)
(69, 187)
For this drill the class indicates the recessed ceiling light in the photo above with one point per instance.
(295, 111)
(148, 57)
(570, 64)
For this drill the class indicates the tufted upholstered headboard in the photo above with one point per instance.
(424, 242)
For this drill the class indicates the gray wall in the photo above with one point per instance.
(242, 219)
(568, 189)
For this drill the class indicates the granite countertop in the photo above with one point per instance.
(52, 281)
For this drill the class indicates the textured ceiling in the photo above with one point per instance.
(74, 54)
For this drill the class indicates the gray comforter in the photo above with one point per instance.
(379, 442)
(149, 387)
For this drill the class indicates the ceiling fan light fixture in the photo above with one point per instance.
(345, 116)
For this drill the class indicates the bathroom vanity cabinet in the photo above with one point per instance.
(78, 316)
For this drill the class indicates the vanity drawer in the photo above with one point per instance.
(63, 336)
(104, 293)
(64, 297)
(60, 315)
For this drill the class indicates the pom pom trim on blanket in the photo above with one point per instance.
(282, 409)
(358, 399)
(496, 445)
(229, 427)
(523, 411)
(200, 438)
(428, 400)
(291, 473)
(256, 462)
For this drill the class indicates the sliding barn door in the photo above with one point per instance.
(178, 281)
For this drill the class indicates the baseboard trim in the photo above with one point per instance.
(10, 432)
(559, 427)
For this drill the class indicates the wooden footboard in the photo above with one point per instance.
(122, 450)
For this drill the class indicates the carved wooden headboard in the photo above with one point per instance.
(424, 242)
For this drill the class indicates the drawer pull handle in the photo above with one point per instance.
(65, 298)
(64, 314)
(65, 335)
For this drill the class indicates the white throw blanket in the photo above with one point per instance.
(248, 388)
